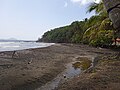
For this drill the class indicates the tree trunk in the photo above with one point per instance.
(113, 8)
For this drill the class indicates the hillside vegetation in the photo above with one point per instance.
(95, 31)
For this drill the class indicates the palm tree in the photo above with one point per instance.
(101, 13)
(98, 22)
(97, 7)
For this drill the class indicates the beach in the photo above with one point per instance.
(32, 68)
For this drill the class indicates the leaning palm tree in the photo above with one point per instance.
(100, 21)
(97, 7)
(101, 13)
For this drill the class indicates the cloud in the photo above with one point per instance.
(65, 4)
(84, 2)
(97, 1)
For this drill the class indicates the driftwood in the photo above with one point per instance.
(14, 53)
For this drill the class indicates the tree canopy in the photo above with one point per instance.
(96, 31)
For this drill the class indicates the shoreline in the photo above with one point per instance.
(45, 64)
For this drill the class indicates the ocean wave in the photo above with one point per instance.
(1, 43)
(10, 46)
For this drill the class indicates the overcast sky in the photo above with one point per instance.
(29, 19)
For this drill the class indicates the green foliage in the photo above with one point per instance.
(95, 31)
(106, 24)
(90, 34)
(67, 34)
(76, 38)
(99, 33)
(104, 38)
(98, 8)
(94, 21)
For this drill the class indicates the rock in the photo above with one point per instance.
(64, 76)
(113, 8)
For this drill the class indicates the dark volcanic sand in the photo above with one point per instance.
(32, 68)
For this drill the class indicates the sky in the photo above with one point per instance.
(30, 19)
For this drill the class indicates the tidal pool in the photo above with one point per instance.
(72, 69)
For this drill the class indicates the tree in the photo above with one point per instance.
(97, 7)
(98, 25)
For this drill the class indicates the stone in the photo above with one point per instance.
(113, 8)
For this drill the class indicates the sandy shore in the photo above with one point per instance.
(32, 68)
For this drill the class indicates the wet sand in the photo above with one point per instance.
(30, 69)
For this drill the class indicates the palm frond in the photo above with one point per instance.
(97, 7)
(92, 7)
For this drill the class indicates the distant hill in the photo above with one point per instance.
(15, 40)
(10, 40)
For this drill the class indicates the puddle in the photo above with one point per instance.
(72, 69)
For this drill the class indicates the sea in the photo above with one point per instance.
(21, 45)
